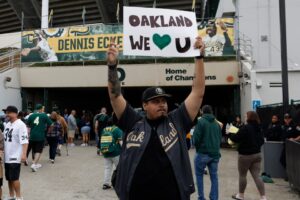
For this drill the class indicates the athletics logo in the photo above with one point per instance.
(159, 91)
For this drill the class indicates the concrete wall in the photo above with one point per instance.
(224, 7)
(134, 75)
(246, 90)
(10, 40)
(260, 18)
(269, 94)
(10, 93)
(260, 86)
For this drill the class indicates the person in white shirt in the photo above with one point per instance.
(1, 161)
(15, 148)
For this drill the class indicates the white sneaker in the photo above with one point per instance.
(34, 168)
(38, 165)
(72, 145)
(83, 145)
(20, 198)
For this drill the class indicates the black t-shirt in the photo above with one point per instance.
(154, 176)
(274, 132)
(290, 131)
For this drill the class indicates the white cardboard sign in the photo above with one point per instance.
(159, 32)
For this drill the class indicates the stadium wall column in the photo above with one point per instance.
(44, 16)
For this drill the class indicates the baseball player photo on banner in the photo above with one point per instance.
(218, 36)
(159, 32)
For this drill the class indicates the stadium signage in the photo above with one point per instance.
(90, 42)
(159, 32)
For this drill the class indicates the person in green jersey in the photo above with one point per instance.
(38, 122)
(110, 147)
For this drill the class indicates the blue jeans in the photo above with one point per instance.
(201, 161)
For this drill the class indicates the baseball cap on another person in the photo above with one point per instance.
(287, 116)
(11, 109)
(39, 106)
(154, 92)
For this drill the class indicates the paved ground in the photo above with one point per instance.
(80, 175)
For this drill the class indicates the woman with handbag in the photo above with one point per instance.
(249, 139)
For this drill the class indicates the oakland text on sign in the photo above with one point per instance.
(159, 21)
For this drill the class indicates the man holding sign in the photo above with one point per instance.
(154, 163)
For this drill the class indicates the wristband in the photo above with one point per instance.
(199, 57)
(112, 66)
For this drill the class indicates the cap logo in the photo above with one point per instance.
(159, 91)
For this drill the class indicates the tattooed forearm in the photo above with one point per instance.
(115, 88)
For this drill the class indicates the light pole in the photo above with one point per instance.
(284, 62)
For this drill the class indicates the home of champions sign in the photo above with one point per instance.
(159, 32)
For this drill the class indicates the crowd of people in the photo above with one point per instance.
(24, 133)
(150, 150)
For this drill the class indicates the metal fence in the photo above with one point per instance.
(265, 113)
(293, 163)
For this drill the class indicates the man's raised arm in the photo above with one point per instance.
(194, 100)
(114, 87)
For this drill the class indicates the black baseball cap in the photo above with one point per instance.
(12, 109)
(154, 92)
(287, 116)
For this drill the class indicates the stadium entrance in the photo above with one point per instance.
(224, 99)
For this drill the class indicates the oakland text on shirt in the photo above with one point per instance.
(135, 139)
(169, 140)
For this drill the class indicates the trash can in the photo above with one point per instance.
(271, 153)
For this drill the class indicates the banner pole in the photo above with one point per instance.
(83, 15)
(22, 23)
(194, 5)
(118, 13)
(22, 28)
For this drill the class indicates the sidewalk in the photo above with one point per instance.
(80, 175)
